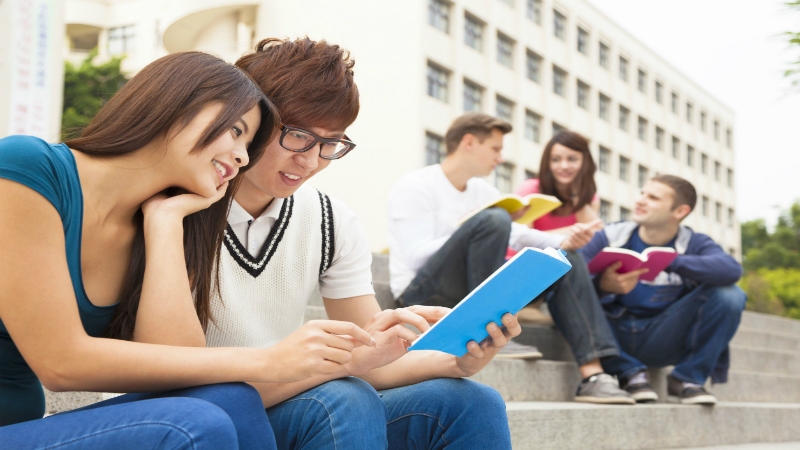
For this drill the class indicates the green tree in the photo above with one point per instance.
(793, 72)
(87, 87)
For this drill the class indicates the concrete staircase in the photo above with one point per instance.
(760, 404)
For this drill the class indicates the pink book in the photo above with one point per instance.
(654, 258)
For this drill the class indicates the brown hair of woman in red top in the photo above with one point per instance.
(583, 187)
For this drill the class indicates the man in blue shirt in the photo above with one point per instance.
(687, 315)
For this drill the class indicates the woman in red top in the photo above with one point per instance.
(567, 172)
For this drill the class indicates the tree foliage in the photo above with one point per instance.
(772, 264)
(87, 87)
(793, 38)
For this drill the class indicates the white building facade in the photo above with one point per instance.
(540, 64)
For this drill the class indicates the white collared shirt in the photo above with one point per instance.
(350, 273)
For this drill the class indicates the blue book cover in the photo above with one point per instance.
(520, 280)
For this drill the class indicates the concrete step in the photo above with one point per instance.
(555, 425)
(756, 359)
(774, 340)
(769, 322)
(380, 267)
(545, 380)
(759, 446)
(64, 401)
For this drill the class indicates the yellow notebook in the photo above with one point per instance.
(540, 205)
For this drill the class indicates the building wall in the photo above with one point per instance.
(393, 44)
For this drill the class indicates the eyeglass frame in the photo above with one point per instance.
(318, 140)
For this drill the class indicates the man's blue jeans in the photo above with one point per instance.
(348, 414)
(691, 333)
(213, 417)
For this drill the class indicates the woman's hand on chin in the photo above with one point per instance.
(179, 206)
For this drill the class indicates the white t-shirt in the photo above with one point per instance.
(424, 208)
(350, 273)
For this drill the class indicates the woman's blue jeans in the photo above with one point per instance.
(213, 417)
(348, 414)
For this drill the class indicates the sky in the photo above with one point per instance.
(734, 50)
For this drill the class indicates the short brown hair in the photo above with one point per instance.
(477, 124)
(583, 186)
(310, 83)
(685, 194)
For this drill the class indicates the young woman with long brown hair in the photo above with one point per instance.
(109, 243)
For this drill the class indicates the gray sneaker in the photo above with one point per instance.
(602, 388)
(514, 350)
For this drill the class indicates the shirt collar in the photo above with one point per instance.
(238, 214)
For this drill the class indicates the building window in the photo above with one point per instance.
(473, 32)
(730, 178)
(604, 107)
(702, 121)
(473, 96)
(659, 92)
(509, 2)
(643, 176)
(729, 137)
(642, 131)
(605, 211)
(604, 161)
(703, 163)
(624, 113)
(705, 204)
(434, 149)
(559, 25)
(439, 15)
(718, 212)
(675, 103)
(716, 130)
(533, 66)
(676, 147)
(121, 39)
(505, 50)
(717, 170)
(624, 213)
(533, 125)
(689, 112)
(623, 69)
(659, 138)
(602, 55)
(731, 217)
(437, 82)
(583, 41)
(559, 81)
(583, 95)
(505, 109)
(690, 156)
(558, 128)
(502, 179)
(624, 164)
(534, 11)
(641, 82)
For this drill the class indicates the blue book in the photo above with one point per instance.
(520, 280)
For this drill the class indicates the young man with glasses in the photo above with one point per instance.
(285, 239)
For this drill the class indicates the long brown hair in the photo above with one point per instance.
(164, 97)
(583, 186)
(310, 82)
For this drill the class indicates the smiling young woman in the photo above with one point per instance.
(115, 235)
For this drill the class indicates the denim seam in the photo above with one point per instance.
(438, 422)
(188, 436)
(330, 419)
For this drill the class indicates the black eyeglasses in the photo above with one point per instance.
(299, 140)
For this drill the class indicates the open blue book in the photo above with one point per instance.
(509, 289)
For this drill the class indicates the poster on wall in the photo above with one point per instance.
(31, 63)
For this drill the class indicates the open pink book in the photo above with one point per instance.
(654, 258)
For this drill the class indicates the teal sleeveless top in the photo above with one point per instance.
(50, 170)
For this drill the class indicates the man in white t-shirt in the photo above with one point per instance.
(284, 239)
(435, 262)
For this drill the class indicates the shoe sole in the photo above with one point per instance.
(643, 397)
(526, 355)
(606, 400)
(708, 400)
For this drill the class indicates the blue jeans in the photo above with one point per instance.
(214, 417)
(476, 249)
(692, 333)
(348, 414)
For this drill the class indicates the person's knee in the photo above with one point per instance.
(473, 398)
(206, 425)
(729, 300)
(496, 219)
(351, 397)
(242, 395)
